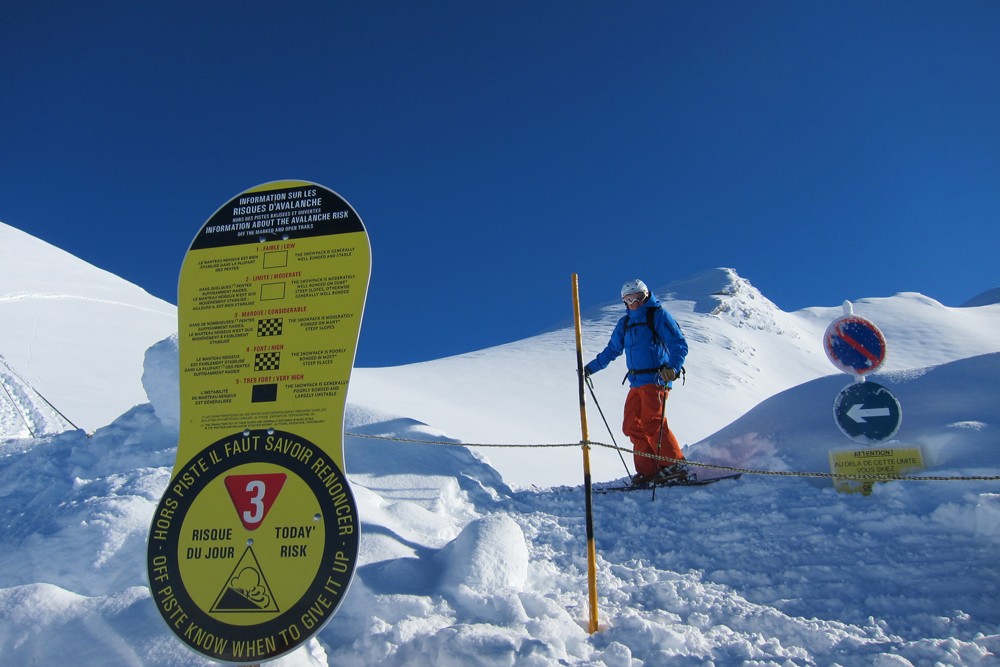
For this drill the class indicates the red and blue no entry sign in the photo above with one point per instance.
(855, 345)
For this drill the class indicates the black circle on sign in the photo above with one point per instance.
(341, 576)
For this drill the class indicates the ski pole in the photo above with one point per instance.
(590, 384)
(659, 440)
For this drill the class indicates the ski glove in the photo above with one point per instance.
(668, 374)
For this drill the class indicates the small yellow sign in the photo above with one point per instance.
(858, 470)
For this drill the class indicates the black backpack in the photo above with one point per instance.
(650, 315)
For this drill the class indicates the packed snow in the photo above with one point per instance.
(475, 555)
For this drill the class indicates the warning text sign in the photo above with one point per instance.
(857, 470)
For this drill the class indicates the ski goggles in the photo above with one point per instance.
(629, 299)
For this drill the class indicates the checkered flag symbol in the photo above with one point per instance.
(266, 361)
(269, 327)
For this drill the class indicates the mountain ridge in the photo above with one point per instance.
(744, 349)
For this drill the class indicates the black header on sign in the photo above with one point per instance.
(288, 213)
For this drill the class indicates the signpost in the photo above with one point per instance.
(865, 412)
(254, 543)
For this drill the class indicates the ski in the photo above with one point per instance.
(691, 481)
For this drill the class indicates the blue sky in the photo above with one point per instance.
(826, 151)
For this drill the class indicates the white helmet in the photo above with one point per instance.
(635, 287)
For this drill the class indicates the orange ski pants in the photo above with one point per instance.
(646, 426)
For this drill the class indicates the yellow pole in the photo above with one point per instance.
(591, 549)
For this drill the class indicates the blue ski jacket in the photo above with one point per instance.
(645, 353)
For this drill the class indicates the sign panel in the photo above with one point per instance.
(889, 462)
(255, 540)
(855, 345)
(867, 412)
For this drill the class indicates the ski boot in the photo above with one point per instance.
(676, 472)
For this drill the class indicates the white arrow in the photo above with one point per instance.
(858, 414)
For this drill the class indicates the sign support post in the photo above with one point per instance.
(865, 412)
(587, 489)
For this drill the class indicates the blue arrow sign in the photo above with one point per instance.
(867, 412)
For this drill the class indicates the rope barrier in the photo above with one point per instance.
(747, 471)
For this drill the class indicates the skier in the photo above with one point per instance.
(655, 350)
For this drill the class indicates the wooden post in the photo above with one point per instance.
(591, 549)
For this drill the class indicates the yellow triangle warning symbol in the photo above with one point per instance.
(246, 589)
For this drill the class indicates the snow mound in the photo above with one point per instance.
(161, 381)
(488, 556)
(82, 505)
(795, 430)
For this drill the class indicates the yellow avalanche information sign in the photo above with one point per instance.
(255, 541)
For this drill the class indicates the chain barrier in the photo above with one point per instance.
(713, 466)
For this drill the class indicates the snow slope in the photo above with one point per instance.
(461, 566)
(743, 349)
(458, 569)
(75, 333)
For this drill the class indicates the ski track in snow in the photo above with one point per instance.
(24, 412)
(20, 297)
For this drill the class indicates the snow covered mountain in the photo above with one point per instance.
(743, 349)
(462, 562)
